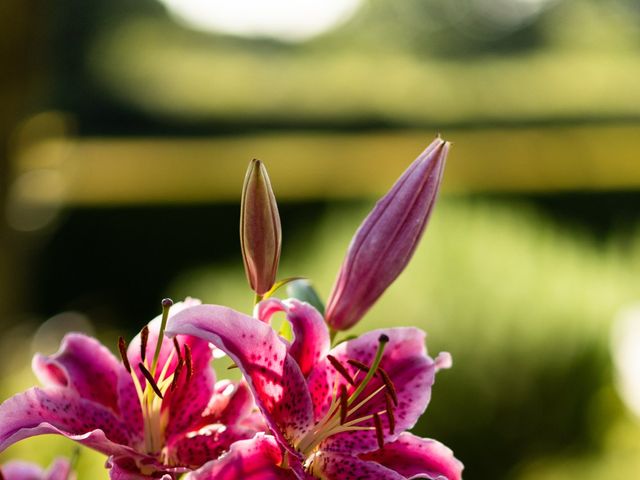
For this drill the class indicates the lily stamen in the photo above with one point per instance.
(359, 365)
(379, 433)
(344, 405)
(390, 415)
(144, 338)
(384, 376)
(176, 346)
(152, 383)
(188, 361)
(176, 374)
(122, 348)
(340, 369)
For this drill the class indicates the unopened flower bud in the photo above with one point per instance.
(260, 232)
(386, 240)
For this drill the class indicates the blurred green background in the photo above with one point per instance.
(126, 128)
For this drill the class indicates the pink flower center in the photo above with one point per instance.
(158, 382)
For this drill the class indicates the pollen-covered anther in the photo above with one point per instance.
(340, 369)
(150, 379)
(391, 389)
(176, 346)
(176, 374)
(144, 338)
(188, 361)
(122, 348)
(379, 433)
(358, 365)
(344, 404)
(390, 416)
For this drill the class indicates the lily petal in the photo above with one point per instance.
(231, 402)
(198, 447)
(60, 469)
(61, 411)
(415, 457)
(125, 469)
(274, 377)
(311, 337)
(19, 470)
(336, 466)
(410, 369)
(84, 365)
(386, 239)
(254, 459)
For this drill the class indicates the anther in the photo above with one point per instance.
(176, 345)
(188, 361)
(359, 365)
(384, 376)
(176, 374)
(150, 379)
(144, 338)
(383, 338)
(379, 433)
(340, 369)
(122, 347)
(344, 404)
(390, 415)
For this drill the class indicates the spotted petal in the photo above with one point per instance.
(337, 466)
(311, 337)
(274, 376)
(255, 459)
(88, 368)
(126, 469)
(62, 411)
(410, 369)
(197, 448)
(415, 457)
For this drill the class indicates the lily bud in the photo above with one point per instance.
(386, 240)
(260, 232)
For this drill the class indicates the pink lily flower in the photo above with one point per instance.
(60, 469)
(335, 413)
(386, 240)
(156, 413)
